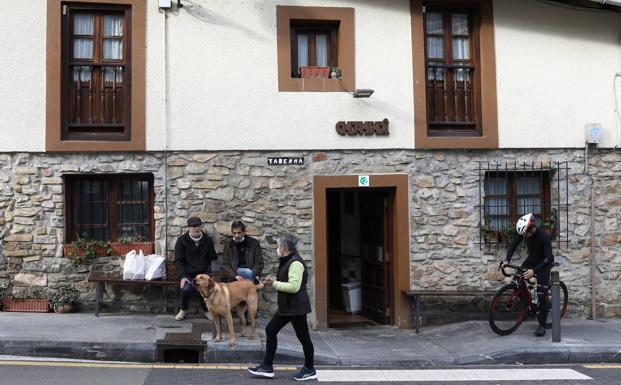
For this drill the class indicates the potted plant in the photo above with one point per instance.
(84, 251)
(550, 222)
(63, 301)
(127, 244)
(34, 301)
(314, 72)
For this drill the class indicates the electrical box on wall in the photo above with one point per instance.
(593, 132)
(165, 3)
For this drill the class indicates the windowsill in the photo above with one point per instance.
(96, 145)
(313, 85)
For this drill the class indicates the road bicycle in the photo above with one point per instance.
(516, 301)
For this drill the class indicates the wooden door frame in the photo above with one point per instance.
(401, 257)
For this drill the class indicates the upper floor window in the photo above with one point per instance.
(313, 44)
(96, 73)
(312, 41)
(452, 74)
(109, 207)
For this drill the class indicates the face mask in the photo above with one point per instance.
(278, 251)
(240, 240)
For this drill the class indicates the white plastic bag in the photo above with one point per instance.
(128, 265)
(139, 266)
(155, 267)
(133, 268)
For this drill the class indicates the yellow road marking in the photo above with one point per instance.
(602, 366)
(136, 366)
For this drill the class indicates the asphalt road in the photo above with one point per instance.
(14, 372)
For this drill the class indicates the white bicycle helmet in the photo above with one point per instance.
(524, 223)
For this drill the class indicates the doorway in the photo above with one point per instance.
(399, 265)
(359, 236)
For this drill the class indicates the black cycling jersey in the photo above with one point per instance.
(539, 247)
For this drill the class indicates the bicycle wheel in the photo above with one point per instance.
(564, 299)
(507, 310)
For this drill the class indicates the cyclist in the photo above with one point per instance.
(539, 261)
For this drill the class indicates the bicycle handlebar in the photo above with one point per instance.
(518, 270)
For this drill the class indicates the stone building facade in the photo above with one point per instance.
(443, 211)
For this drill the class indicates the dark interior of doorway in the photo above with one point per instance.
(359, 275)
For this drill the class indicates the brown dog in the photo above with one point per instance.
(222, 297)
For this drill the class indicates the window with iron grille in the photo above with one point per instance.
(96, 72)
(509, 191)
(109, 207)
(313, 44)
(452, 73)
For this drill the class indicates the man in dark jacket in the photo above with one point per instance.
(540, 261)
(242, 257)
(194, 252)
(293, 306)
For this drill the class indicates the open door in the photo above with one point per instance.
(376, 250)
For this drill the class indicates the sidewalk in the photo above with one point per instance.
(115, 337)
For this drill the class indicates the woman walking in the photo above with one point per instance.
(293, 306)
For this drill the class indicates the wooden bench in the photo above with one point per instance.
(100, 278)
(417, 294)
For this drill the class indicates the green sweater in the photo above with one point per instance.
(296, 270)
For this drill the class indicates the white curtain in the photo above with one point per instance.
(113, 48)
(322, 50)
(302, 51)
(529, 185)
(496, 207)
(83, 47)
(435, 46)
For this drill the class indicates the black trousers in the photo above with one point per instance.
(543, 284)
(186, 292)
(300, 326)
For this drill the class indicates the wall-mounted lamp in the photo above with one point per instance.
(363, 93)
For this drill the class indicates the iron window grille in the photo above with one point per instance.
(510, 190)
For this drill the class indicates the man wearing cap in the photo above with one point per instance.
(194, 252)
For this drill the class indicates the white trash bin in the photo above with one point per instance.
(352, 297)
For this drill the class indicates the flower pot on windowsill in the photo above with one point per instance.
(121, 249)
(25, 305)
(67, 248)
(315, 72)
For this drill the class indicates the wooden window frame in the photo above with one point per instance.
(486, 134)
(545, 179)
(97, 61)
(112, 180)
(312, 29)
(345, 51)
(455, 128)
(136, 32)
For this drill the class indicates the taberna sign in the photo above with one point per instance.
(362, 128)
(285, 160)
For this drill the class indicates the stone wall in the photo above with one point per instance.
(224, 186)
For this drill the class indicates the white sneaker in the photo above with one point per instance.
(181, 315)
(208, 316)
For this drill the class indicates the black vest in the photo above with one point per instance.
(291, 304)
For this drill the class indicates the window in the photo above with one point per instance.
(109, 207)
(509, 195)
(454, 74)
(96, 74)
(311, 37)
(313, 45)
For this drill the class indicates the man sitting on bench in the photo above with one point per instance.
(194, 252)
